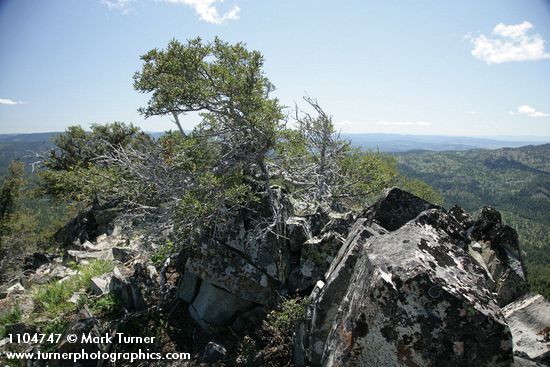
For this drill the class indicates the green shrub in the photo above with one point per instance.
(286, 316)
(162, 253)
(105, 305)
(7, 317)
(271, 344)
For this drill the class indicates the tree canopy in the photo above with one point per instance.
(244, 144)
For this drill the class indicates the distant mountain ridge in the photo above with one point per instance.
(371, 141)
(403, 143)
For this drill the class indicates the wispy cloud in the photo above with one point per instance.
(208, 11)
(404, 123)
(510, 43)
(9, 101)
(122, 5)
(528, 111)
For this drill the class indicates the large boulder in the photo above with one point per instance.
(411, 297)
(214, 306)
(229, 270)
(529, 322)
(311, 338)
(497, 248)
(245, 257)
(136, 289)
(395, 208)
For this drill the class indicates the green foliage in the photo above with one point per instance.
(420, 189)
(366, 175)
(54, 297)
(77, 148)
(27, 222)
(72, 168)
(226, 84)
(7, 317)
(10, 190)
(163, 252)
(317, 166)
(283, 320)
(105, 305)
(271, 344)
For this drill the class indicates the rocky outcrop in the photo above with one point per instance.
(214, 306)
(247, 266)
(410, 297)
(245, 259)
(529, 322)
(498, 248)
(311, 338)
(404, 283)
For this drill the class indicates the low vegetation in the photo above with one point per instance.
(271, 344)
(54, 297)
(7, 317)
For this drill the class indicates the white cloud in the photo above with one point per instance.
(404, 123)
(207, 10)
(122, 5)
(9, 101)
(528, 111)
(510, 43)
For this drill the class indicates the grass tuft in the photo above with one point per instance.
(54, 297)
(8, 317)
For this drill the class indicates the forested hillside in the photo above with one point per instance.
(514, 180)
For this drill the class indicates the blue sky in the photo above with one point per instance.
(476, 68)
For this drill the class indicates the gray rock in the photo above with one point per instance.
(124, 254)
(500, 255)
(80, 256)
(51, 272)
(491, 215)
(525, 362)
(298, 232)
(188, 286)
(17, 288)
(134, 289)
(227, 269)
(85, 324)
(36, 260)
(529, 322)
(339, 222)
(215, 306)
(100, 285)
(327, 296)
(244, 258)
(415, 297)
(76, 297)
(213, 353)
(461, 216)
